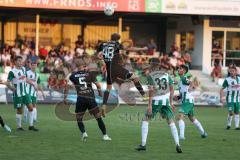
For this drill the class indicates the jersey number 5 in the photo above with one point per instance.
(108, 52)
(82, 82)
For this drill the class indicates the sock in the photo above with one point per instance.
(34, 113)
(174, 133)
(30, 113)
(81, 126)
(105, 97)
(199, 126)
(229, 120)
(1, 121)
(236, 118)
(19, 120)
(139, 88)
(181, 127)
(144, 132)
(25, 112)
(101, 126)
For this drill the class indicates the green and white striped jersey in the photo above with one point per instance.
(184, 85)
(233, 89)
(161, 82)
(18, 79)
(34, 77)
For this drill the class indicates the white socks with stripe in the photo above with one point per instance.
(236, 118)
(199, 126)
(174, 132)
(30, 118)
(144, 132)
(181, 128)
(35, 114)
(19, 120)
(229, 120)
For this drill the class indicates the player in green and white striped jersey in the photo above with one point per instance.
(17, 83)
(160, 100)
(33, 88)
(232, 84)
(187, 107)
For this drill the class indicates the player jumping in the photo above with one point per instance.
(232, 84)
(187, 107)
(111, 52)
(82, 81)
(160, 100)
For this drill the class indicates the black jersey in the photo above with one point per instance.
(111, 51)
(82, 81)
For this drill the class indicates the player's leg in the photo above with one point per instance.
(25, 113)
(166, 112)
(198, 125)
(6, 127)
(109, 85)
(236, 116)
(34, 103)
(27, 101)
(80, 111)
(181, 125)
(17, 102)
(230, 116)
(136, 82)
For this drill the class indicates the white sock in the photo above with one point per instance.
(19, 120)
(34, 113)
(236, 118)
(25, 112)
(174, 132)
(199, 126)
(30, 118)
(181, 128)
(229, 120)
(144, 132)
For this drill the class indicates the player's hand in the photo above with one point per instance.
(149, 111)
(222, 101)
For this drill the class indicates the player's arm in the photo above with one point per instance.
(9, 80)
(171, 88)
(99, 88)
(224, 85)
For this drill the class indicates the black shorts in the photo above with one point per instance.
(83, 104)
(115, 72)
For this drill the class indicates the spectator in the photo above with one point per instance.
(79, 41)
(176, 53)
(187, 58)
(152, 47)
(5, 59)
(164, 62)
(19, 41)
(16, 50)
(216, 72)
(68, 58)
(33, 57)
(79, 50)
(43, 53)
(173, 61)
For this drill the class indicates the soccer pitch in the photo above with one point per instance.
(60, 140)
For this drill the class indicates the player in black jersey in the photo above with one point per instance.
(82, 81)
(111, 52)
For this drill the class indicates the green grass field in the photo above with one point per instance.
(60, 140)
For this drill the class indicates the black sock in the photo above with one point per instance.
(139, 88)
(105, 97)
(81, 126)
(101, 125)
(1, 122)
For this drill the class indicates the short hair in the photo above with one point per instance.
(233, 67)
(17, 58)
(184, 67)
(115, 37)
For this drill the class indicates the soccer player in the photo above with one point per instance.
(232, 84)
(160, 100)
(6, 127)
(111, 52)
(82, 81)
(187, 107)
(32, 88)
(17, 83)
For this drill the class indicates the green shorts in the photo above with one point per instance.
(187, 108)
(18, 102)
(34, 100)
(233, 107)
(164, 110)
